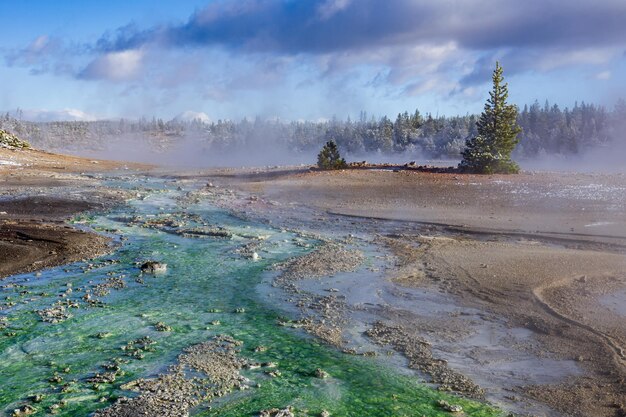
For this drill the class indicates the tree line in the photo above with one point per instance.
(546, 129)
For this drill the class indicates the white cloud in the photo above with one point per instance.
(549, 60)
(603, 75)
(115, 66)
(431, 84)
(37, 53)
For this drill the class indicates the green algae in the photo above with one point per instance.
(206, 283)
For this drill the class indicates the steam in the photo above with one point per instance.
(609, 158)
(192, 141)
(193, 151)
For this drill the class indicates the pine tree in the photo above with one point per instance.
(490, 150)
(329, 157)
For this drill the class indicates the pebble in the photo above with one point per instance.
(453, 408)
(24, 410)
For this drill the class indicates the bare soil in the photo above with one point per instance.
(26, 247)
(559, 204)
(38, 192)
(538, 251)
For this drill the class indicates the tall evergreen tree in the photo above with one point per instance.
(490, 150)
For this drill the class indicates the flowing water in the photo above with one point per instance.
(208, 281)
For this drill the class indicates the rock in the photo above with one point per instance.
(136, 348)
(324, 413)
(453, 408)
(55, 379)
(275, 412)
(24, 410)
(153, 267)
(320, 373)
(37, 398)
(200, 232)
(55, 314)
(104, 378)
(162, 327)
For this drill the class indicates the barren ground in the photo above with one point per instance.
(38, 192)
(544, 252)
(541, 255)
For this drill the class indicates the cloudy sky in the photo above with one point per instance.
(303, 59)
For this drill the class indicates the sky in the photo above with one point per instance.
(303, 59)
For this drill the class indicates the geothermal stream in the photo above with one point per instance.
(78, 337)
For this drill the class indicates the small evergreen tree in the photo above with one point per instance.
(490, 150)
(329, 157)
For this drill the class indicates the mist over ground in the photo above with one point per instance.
(608, 158)
(586, 138)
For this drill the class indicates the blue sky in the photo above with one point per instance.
(304, 59)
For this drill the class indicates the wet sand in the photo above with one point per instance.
(533, 267)
(39, 191)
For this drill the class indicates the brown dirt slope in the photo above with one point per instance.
(38, 192)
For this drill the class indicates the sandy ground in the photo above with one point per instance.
(538, 259)
(541, 255)
(549, 290)
(550, 203)
(38, 192)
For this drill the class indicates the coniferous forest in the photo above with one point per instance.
(546, 130)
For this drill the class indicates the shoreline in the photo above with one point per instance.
(35, 246)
